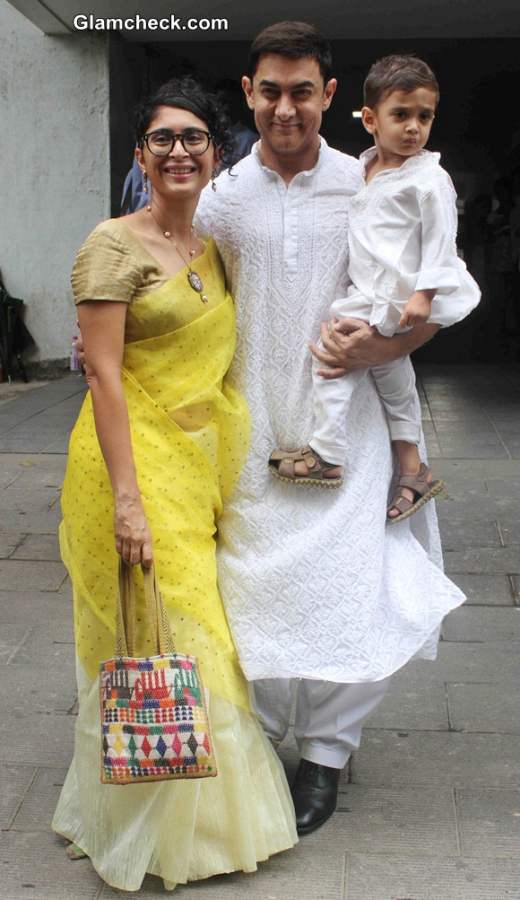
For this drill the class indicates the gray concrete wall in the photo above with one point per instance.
(54, 141)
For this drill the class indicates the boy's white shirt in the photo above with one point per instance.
(402, 238)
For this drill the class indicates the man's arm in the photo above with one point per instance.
(350, 344)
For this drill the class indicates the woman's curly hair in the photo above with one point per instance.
(187, 93)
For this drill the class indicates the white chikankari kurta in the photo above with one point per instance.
(314, 583)
(402, 238)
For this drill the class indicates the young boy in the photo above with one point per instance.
(404, 270)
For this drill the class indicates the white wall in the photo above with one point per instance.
(55, 167)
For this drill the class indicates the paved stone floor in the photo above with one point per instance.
(429, 808)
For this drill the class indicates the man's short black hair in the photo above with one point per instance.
(294, 40)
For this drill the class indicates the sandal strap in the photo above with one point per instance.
(403, 504)
(416, 483)
(285, 461)
(278, 455)
(288, 462)
(313, 460)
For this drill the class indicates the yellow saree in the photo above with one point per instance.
(189, 438)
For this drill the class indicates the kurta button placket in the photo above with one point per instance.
(290, 242)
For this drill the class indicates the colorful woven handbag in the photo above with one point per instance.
(153, 713)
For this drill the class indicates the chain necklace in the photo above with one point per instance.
(194, 280)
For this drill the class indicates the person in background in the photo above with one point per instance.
(243, 136)
(514, 222)
(501, 266)
(134, 194)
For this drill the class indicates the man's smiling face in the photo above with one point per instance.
(288, 98)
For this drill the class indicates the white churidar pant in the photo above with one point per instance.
(329, 716)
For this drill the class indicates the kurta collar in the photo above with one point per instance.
(322, 152)
(419, 161)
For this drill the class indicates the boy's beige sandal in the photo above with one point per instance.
(282, 465)
(423, 490)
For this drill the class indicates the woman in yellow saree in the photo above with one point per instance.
(157, 447)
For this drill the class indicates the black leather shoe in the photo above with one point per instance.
(315, 794)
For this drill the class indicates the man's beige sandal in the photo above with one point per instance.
(423, 490)
(282, 465)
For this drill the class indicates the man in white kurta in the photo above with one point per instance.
(320, 597)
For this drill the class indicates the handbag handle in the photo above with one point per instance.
(163, 642)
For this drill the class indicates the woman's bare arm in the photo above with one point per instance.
(102, 326)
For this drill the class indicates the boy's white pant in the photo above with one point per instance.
(329, 716)
(395, 384)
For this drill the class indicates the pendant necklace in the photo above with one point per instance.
(194, 280)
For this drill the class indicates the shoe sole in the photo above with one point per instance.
(435, 489)
(308, 482)
(308, 829)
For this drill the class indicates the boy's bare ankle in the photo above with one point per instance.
(408, 456)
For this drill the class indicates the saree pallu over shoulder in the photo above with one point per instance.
(190, 434)
(183, 373)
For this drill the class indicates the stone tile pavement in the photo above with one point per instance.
(429, 807)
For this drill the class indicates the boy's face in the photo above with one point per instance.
(288, 98)
(401, 122)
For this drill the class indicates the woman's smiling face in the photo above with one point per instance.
(180, 172)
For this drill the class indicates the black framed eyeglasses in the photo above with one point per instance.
(195, 141)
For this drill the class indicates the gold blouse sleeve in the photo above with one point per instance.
(104, 268)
